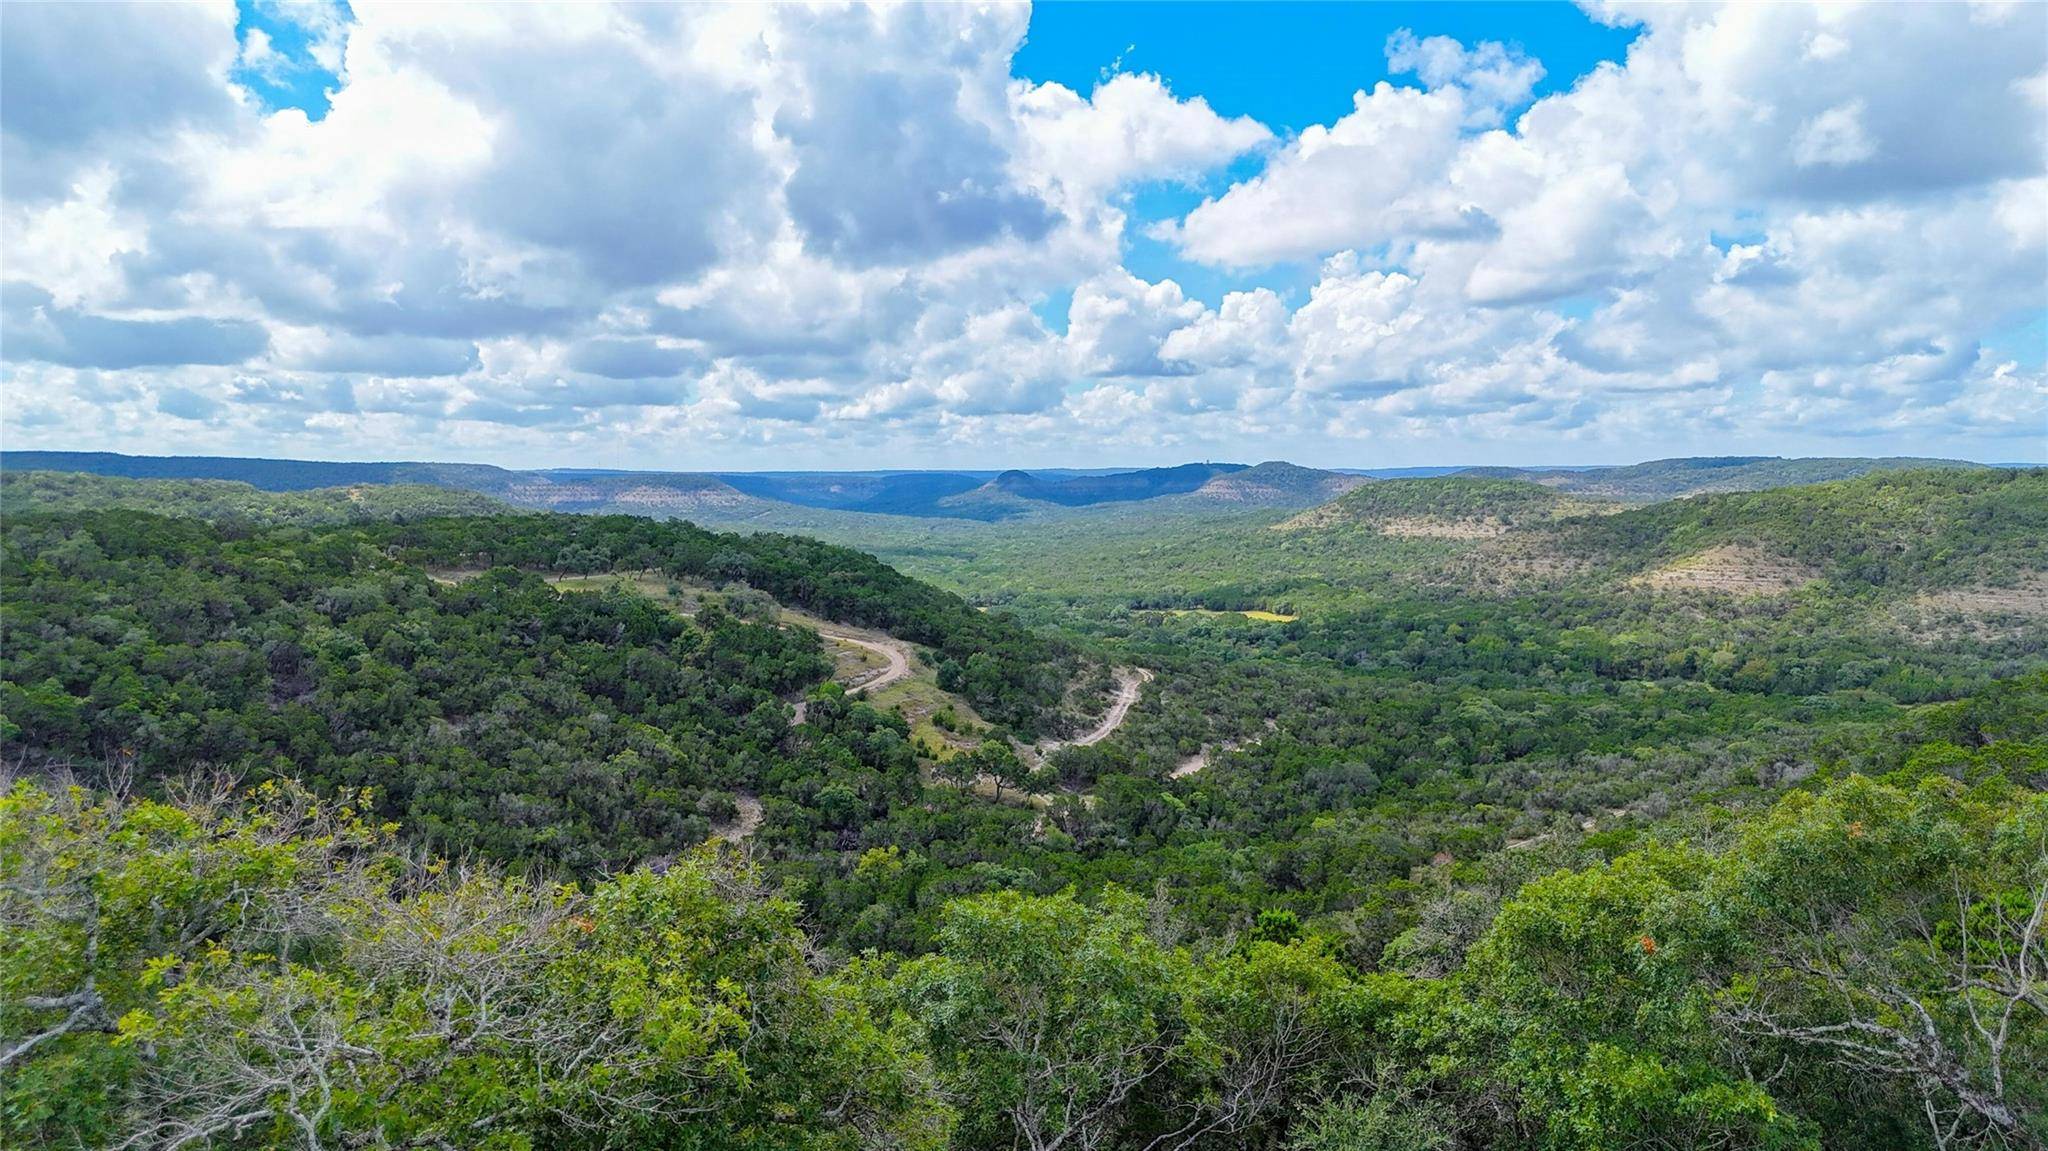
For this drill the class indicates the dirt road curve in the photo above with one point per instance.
(898, 655)
(1130, 682)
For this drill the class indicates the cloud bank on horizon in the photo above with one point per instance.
(785, 237)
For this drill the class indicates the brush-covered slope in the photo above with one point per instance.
(494, 713)
(1452, 507)
(1667, 479)
(1919, 529)
(660, 494)
(28, 493)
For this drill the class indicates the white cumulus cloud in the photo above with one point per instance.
(562, 232)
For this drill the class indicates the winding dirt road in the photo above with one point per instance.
(896, 652)
(1130, 683)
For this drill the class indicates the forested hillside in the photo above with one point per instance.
(1669, 479)
(1009, 674)
(1854, 966)
(1583, 857)
(1449, 502)
(495, 715)
(1907, 528)
(641, 493)
(1006, 575)
(26, 493)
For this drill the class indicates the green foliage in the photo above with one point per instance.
(1585, 996)
(1569, 862)
(1671, 479)
(1051, 1022)
(494, 715)
(274, 968)
(274, 975)
(233, 503)
(497, 715)
(1010, 675)
(1044, 1015)
(1384, 1121)
(1498, 501)
(1912, 529)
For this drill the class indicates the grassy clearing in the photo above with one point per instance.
(1252, 614)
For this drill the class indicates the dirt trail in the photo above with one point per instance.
(1200, 760)
(895, 651)
(1130, 683)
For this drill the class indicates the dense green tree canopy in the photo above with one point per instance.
(381, 833)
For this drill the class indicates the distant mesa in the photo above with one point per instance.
(881, 493)
(1112, 487)
(1277, 483)
(1447, 506)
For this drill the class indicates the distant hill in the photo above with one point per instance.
(1669, 479)
(270, 475)
(1080, 491)
(726, 496)
(1450, 507)
(231, 501)
(1928, 528)
(1965, 542)
(1017, 492)
(897, 493)
(782, 499)
(636, 493)
(1417, 473)
(962, 495)
(1276, 483)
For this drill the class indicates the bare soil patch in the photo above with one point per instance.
(1503, 566)
(1433, 528)
(745, 823)
(1732, 569)
(676, 499)
(2029, 597)
(1979, 611)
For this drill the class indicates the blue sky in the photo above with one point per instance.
(1080, 235)
(1286, 64)
(293, 77)
(1290, 64)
